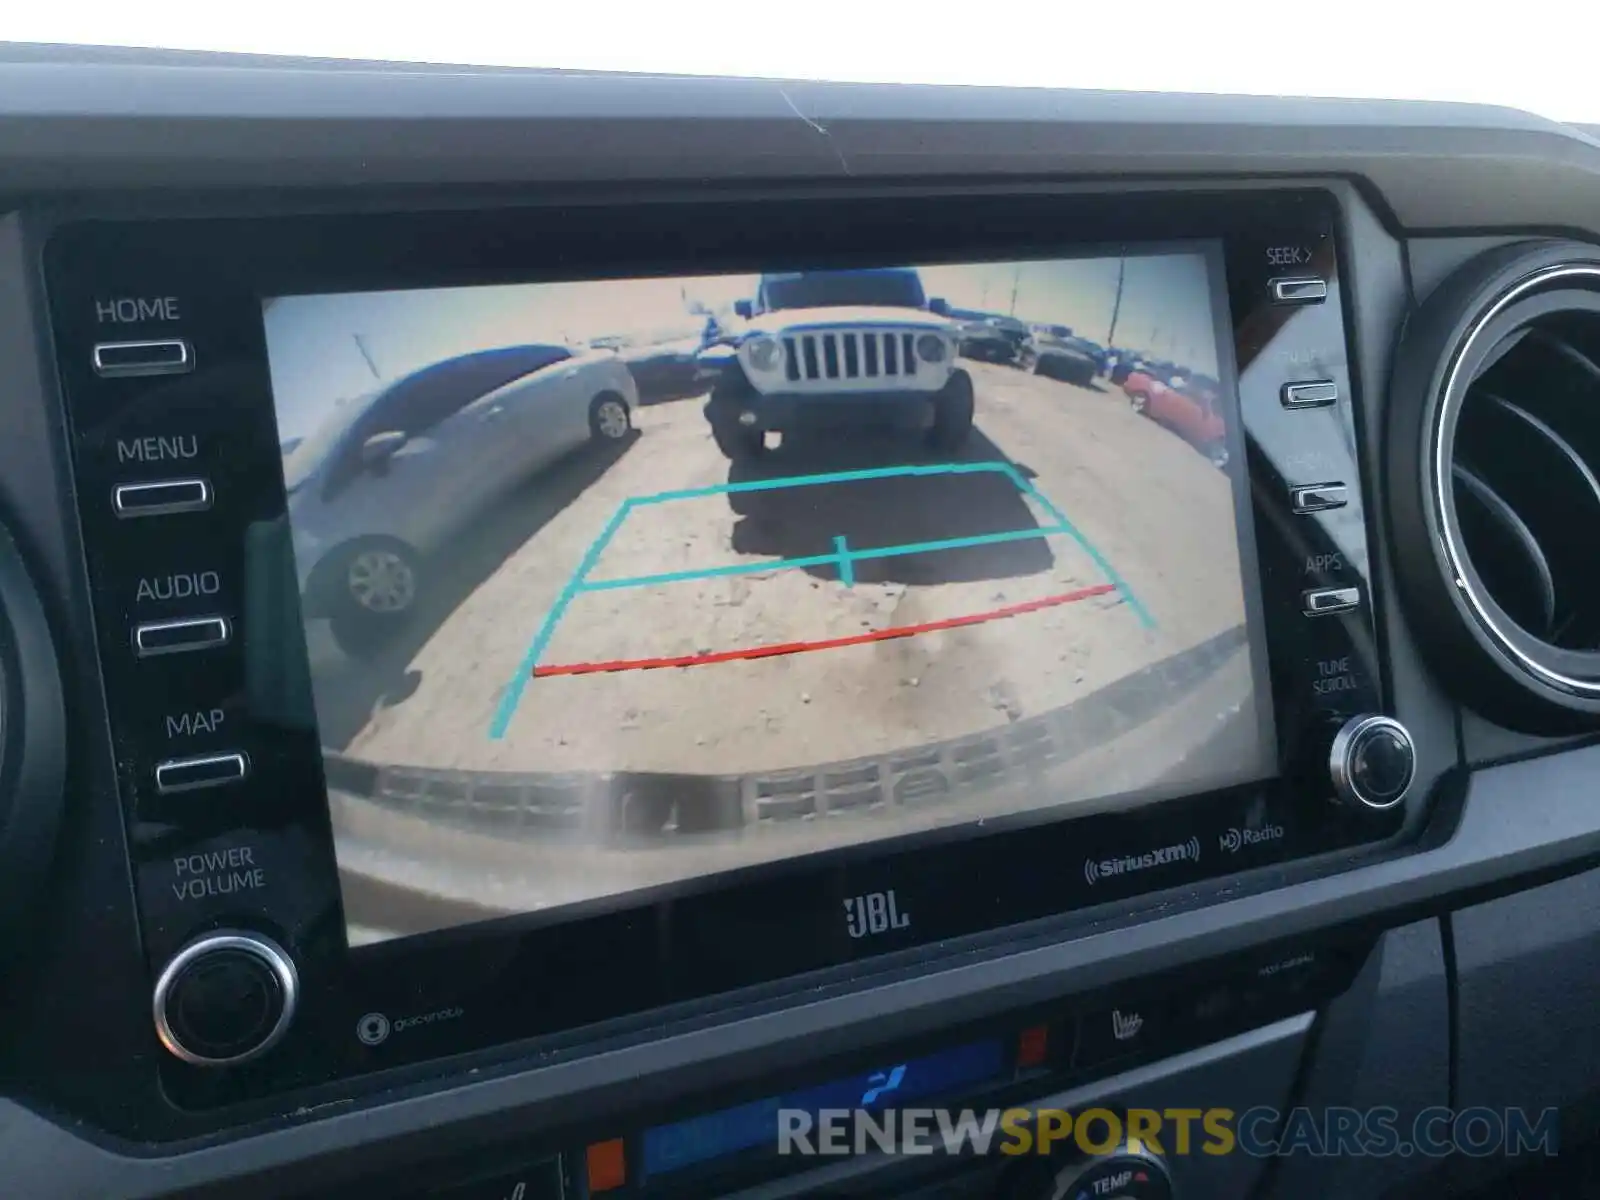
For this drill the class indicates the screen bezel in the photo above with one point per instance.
(484, 986)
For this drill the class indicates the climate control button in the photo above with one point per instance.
(1132, 1171)
(225, 999)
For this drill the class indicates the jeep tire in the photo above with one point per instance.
(738, 443)
(952, 414)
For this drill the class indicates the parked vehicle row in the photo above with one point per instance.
(1189, 404)
(391, 477)
(854, 348)
(1050, 350)
(1054, 352)
(666, 364)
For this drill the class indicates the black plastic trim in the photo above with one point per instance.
(497, 971)
(1506, 517)
(72, 120)
(1518, 823)
(1559, 444)
(33, 741)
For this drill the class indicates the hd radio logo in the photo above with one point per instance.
(1096, 870)
(1235, 840)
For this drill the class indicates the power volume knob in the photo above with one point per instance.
(225, 999)
(1372, 763)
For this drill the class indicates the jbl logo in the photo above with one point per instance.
(875, 912)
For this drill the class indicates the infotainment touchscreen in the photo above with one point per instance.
(626, 584)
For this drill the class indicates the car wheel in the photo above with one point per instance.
(738, 443)
(1138, 400)
(1218, 454)
(609, 418)
(376, 588)
(952, 414)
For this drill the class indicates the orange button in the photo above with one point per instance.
(608, 1165)
(1033, 1046)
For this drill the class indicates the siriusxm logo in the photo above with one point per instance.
(1094, 870)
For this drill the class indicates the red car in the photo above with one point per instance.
(1189, 405)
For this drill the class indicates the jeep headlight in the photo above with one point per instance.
(931, 348)
(765, 353)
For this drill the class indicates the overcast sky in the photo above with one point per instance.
(325, 349)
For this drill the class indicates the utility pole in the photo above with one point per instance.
(367, 356)
(1116, 305)
(1016, 283)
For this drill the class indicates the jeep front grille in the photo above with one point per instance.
(847, 355)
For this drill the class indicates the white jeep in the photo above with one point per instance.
(840, 350)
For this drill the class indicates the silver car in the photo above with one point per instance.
(387, 479)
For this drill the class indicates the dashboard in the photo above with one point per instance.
(571, 635)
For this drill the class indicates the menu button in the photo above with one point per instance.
(161, 498)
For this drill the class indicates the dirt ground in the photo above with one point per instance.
(1152, 507)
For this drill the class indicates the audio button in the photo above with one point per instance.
(155, 638)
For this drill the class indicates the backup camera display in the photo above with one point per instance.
(616, 585)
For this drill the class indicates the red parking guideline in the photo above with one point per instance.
(856, 639)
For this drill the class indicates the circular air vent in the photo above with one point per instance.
(1494, 482)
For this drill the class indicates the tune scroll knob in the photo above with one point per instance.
(225, 998)
(1372, 762)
